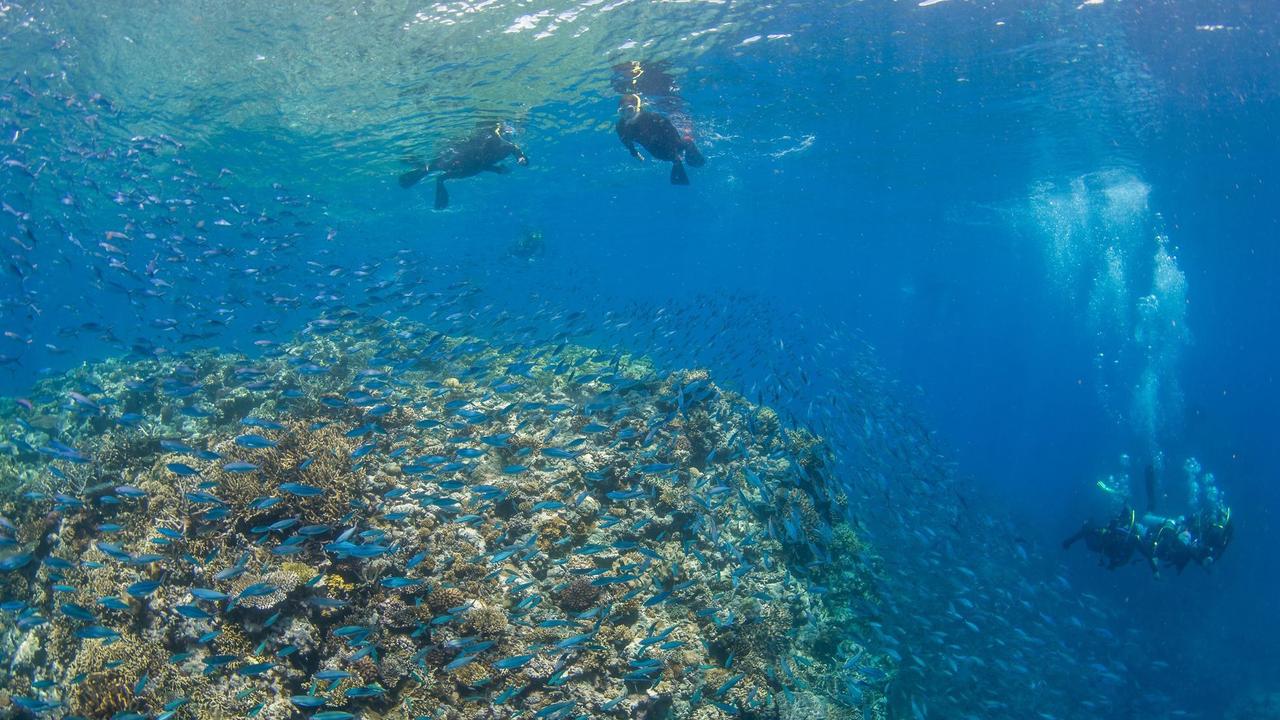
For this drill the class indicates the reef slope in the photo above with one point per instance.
(382, 520)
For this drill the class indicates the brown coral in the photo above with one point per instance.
(577, 596)
(487, 620)
(443, 599)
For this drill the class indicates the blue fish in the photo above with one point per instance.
(79, 613)
(364, 691)
(96, 632)
(399, 582)
(620, 495)
(112, 602)
(263, 503)
(653, 468)
(16, 561)
(255, 669)
(192, 612)
(240, 467)
(255, 442)
(513, 662)
(143, 588)
(574, 641)
(460, 662)
(258, 589)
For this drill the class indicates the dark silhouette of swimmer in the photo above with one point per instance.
(477, 153)
(651, 79)
(658, 135)
(1165, 542)
(1115, 542)
(1160, 541)
(1174, 542)
(1215, 530)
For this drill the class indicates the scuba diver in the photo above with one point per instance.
(658, 135)
(1162, 541)
(529, 247)
(1166, 542)
(1116, 541)
(489, 145)
(1215, 530)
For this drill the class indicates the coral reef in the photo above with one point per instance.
(382, 520)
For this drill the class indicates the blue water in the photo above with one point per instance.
(941, 183)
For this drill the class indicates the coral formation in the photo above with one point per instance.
(379, 519)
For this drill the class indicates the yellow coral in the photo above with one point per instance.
(338, 583)
(302, 571)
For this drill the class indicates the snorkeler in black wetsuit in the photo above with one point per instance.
(652, 79)
(480, 152)
(658, 135)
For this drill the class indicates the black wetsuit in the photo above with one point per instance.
(1166, 544)
(1160, 541)
(480, 152)
(662, 141)
(1116, 542)
(650, 79)
(1215, 530)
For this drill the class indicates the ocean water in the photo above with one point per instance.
(823, 415)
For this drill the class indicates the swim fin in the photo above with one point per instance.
(678, 176)
(412, 177)
(693, 156)
(442, 195)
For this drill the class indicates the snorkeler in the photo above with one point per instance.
(658, 135)
(489, 145)
(651, 79)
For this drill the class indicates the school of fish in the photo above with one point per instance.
(403, 498)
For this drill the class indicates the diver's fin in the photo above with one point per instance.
(693, 156)
(500, 169)
(412, 177)
(678, 175)
(442, 195)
